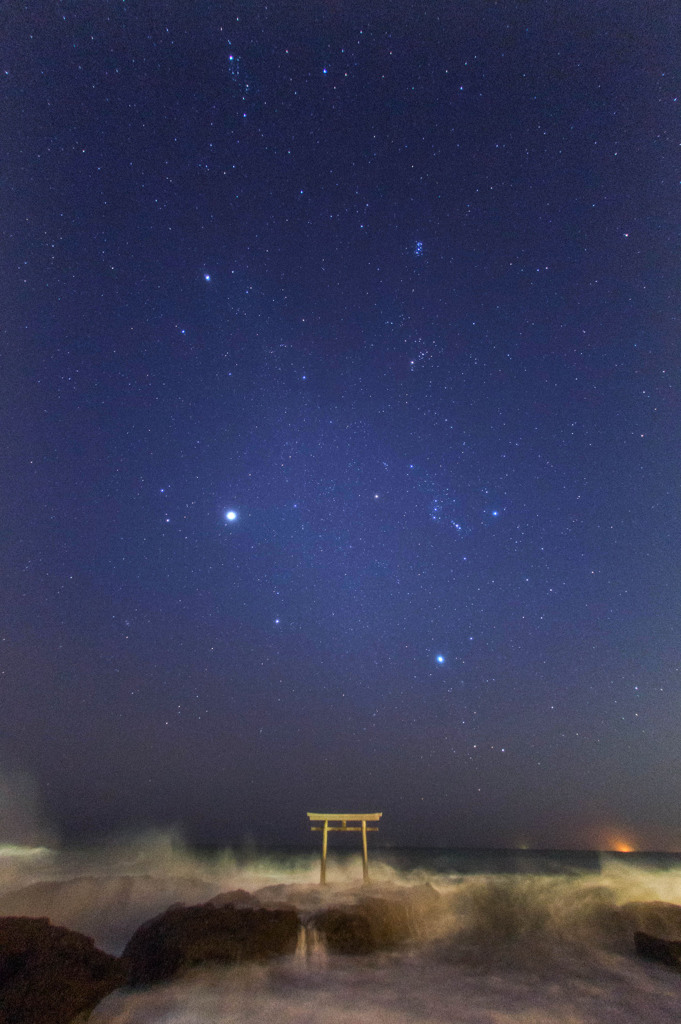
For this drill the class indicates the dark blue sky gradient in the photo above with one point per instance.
(398, 284)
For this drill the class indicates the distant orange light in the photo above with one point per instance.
(622, 848)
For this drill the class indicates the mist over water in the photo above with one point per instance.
(516, 937)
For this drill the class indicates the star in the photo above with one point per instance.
(206, 277)
(440, 659)
(230, 515)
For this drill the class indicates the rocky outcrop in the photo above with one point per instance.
(370, 926)
(663, 950)
(376, 923)
(184, 937)
(236, 898)
(50, 975)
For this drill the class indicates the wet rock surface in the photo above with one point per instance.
(236, 898)
(376, 923)
(370, 926)
(184, 937)
(50, 975)
(663, 950)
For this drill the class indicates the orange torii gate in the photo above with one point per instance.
(342, 826)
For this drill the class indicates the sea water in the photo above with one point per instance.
(520, 937)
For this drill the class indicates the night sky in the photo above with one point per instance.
(340, 417)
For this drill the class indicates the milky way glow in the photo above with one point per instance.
(402, 287)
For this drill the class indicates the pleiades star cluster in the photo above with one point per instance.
(341, 420)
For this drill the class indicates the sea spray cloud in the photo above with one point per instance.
(515, 948)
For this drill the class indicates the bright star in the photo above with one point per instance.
(206, 277)
(440, 659)
(231, 515)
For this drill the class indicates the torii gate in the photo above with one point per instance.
(342, 826)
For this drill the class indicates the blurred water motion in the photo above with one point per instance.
(521, 936)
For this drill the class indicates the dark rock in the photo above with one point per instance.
(371, 925)
(653, 917)
(184, 937)
(390, 918)
(236, 898)
(663, 950)
(50, 975)
(242, 900)
(302, 896)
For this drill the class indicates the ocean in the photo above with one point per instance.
(526, 937)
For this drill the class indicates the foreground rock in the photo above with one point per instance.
(665, 951)
(50, 975)
(238, 898)
(376, 923)
(184, 937)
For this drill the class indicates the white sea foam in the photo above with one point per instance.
(499, 948)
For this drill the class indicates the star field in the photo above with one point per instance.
(342, 417)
